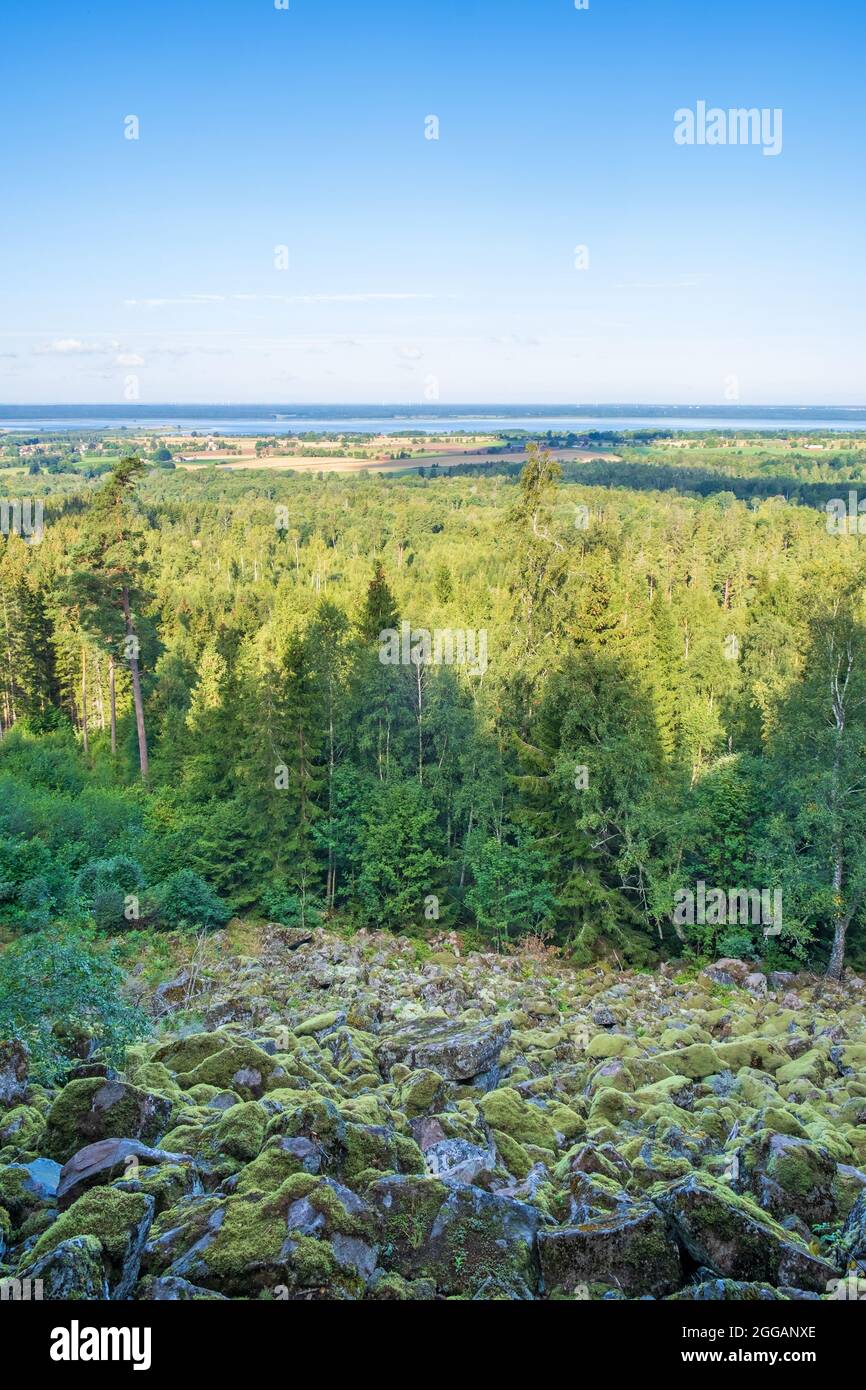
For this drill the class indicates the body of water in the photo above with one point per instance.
(266, 419)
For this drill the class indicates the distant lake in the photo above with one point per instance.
(479, 419)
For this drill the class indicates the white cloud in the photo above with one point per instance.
(130, 359)
(62, 347)
(364, 297)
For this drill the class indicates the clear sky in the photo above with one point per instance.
(418, 268)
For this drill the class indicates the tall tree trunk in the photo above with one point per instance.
(112, 702)
(84, 699)
(331, 889)
(136, 689)
(420, 688)
(838, 696)
(100, 702)
(840, 926)
(11, 711)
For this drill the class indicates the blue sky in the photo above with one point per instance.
(429, 269)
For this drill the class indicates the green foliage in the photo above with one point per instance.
(400, 856)
(681, 648)
(510, 894)
(185, 900)
(57, 989)
(103, 887)
(31, 883)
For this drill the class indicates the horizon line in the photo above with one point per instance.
(428, 408)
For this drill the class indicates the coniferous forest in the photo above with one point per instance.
(197, 715)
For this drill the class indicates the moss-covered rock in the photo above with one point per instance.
(458, 1237)
(458, 1052)
(420, 1093)
(72, 1271)
(240, 1067)
(732, 1236)
(21, 1128)
(93, 1109)
(631, 1250)
(185, 1054)
(506, 1111)
(120, 1222)
(241, 1131)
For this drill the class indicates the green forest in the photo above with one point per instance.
(198, 722)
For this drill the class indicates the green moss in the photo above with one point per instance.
(165, 1182)
(185, 1054)
(372, 1148)
(366, 1110)
(251, 1235)
(22, 1128)
(607, 1045)
(14, 1194)
(226, 1068)
(270, 1170)
(63, 1134)
(241, 1131)
(155, 1077)
(812, 1066)
(758, 1054)
(420, 1093)
(565, 1121)
(105, 1212)
(505, 1110)
(92, 1109)
(318, 1024)
(202, 1095)
(187, 1139)
(512, 1153)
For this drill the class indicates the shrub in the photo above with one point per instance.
(32, 884)
(285, 904)
(103, 886)
(185, 900)
(738, 943)
(56, 989)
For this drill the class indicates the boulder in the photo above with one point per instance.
(756, 983)
(312, 1238)
(241, 1067)
(794, 1177)
(72, 1271)
(727, 1291)
(732, 1237)
(21, 1128)
(506, 1111)
(14, 1067)
(853, 1241)
(728, 971)
(87, 1111)
(459, 1160)
(632, 1250)
(458, 1052)
(43, 1177)
(174, 1290)
(102, 1162)
(118, 1220)
(456, 1235)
